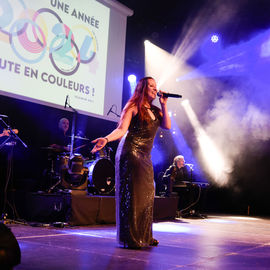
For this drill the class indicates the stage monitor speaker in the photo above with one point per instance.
(43, 207)
(75, 176)
(75, 181)
(10, 253)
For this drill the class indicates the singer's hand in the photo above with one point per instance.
(162, 99)
(99, 144)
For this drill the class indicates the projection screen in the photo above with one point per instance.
(55, 51)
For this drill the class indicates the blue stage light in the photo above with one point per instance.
(215, 38)
(211, 47)
(132, 78)
(132, 82)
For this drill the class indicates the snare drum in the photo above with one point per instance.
(101, 175)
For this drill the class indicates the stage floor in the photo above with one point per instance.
(217, 242)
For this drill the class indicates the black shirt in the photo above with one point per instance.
(177, 175)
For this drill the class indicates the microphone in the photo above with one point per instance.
(189, 165)
(3, 115)
(66, 102)
(166, 95)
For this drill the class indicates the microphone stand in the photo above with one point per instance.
(191, 171)
(115, 114)
(193, 212)
(74, 119)
(111, 111)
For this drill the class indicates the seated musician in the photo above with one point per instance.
(176, 174)
(60, 138)
(178, 178)
(56, 157)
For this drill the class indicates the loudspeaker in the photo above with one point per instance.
(10, 253)
(43, 207)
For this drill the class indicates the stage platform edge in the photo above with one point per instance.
(79, 208)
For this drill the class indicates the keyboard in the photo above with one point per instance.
(188, 184)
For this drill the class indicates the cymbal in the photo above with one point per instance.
(49, 148)
(80, 138)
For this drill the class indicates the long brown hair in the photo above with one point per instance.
(138, 98)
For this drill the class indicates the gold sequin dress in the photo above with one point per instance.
(135, 182)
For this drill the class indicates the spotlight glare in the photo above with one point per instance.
(214, 38)
(218, 166)
(147, 42)
(132, 82)
(185, 102)
(132, 78)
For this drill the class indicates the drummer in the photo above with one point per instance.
(60, 139)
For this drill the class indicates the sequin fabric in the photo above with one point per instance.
(135, 183)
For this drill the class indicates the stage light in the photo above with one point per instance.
(185, 102)
(132, 82)
(132, 78)
(216, 164)
(160, 65)
(214, 38)
(147, 42)
(211, 48)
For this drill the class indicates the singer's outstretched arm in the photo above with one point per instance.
(117, 133)
(128, 112)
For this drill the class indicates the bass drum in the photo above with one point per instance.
(101, 176)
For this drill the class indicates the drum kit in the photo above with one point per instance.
(95, 174)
